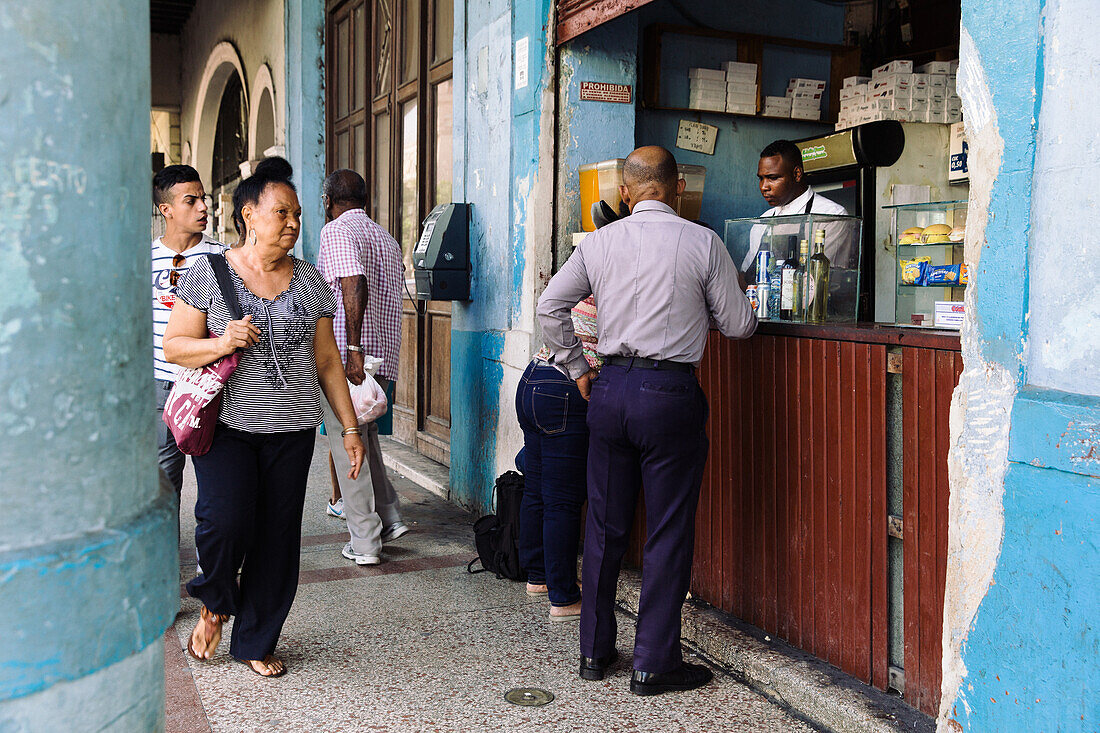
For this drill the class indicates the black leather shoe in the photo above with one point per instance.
(686, 677)
(595, 669)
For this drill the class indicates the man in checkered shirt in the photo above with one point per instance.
(362, 263)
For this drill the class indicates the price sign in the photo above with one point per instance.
(697, 137)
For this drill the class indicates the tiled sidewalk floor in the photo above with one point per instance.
(417, 644)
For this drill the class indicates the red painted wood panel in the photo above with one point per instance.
(791, 531)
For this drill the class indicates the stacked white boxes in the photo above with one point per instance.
(895, 92)
(740, 87)
(707, 89)
(805, 97)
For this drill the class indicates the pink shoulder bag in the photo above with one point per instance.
(191, 411)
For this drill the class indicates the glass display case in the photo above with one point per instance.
(802, 268)
(930, 276)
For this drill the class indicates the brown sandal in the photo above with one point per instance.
(206, 618)
(270, 660)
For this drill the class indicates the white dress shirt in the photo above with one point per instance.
(837, 248)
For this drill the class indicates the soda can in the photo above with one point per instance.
(763, 266)
(762, 295)
(750, 293)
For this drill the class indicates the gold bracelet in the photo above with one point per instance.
(350, 431)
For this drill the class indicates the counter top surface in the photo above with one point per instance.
(867, 333)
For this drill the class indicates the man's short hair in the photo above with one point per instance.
(169, 176)
(345, 186)
(660, 169)
(785, 149)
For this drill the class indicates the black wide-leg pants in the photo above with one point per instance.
(249, 517)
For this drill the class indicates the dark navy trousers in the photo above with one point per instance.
(648, 433)
(552, 412)
(252, 487)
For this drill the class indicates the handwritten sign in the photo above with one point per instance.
(597, 91)
(696, 136)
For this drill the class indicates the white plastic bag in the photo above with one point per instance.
(368, 399)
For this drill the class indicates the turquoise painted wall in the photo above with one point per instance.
(1030, 655)
(88, 543)
(497, 130)
(305, 114)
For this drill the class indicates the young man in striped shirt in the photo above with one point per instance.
(181, 199)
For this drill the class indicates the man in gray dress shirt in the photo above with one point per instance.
(660, 283)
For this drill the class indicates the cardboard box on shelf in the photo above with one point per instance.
(952, 116)
(800, 83)
(891, 81)
(736, 68)
(953, 104)
(805, 114)
(901, 66)
(853, 81)
(778, 101)
(797, 94)
(935, 67)
(741, 100)
(708, 74)
(918, 80)
(741, 109)
(738, 87)
(937, 81)
(919, 93)
(707, 85)
(706, 100)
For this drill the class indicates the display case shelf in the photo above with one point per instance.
(930, 301)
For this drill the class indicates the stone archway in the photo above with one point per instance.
(264, 130)
(222, 63)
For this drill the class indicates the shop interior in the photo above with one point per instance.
(823, 513)
(674, 53)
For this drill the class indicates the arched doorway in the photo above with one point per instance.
(229, 151)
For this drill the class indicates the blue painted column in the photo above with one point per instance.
(305, 114)
(88, 565)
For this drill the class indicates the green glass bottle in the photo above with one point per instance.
(817, 295)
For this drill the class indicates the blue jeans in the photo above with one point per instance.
(553, 415)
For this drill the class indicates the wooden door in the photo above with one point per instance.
(399, 137)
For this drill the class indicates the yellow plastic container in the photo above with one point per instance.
(602, 180)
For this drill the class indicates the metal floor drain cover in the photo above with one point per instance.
(529, 696)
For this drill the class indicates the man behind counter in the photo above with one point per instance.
(783, 185)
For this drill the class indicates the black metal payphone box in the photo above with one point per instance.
(441, 258)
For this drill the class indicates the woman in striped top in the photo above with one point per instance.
(553, 414)
(252, 482)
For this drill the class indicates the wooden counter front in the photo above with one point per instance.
(791, 533)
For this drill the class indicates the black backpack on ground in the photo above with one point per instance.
(496, 536)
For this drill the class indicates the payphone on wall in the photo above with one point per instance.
(441, 258)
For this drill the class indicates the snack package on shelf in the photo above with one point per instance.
(912, 270)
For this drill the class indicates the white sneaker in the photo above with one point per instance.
(360, 559)
(395, 530)
(337, 509)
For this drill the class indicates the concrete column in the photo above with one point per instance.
(305, 114)
(88, 566)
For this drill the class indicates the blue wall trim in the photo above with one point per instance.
(1011, 61)
(1054, 429)
(1031, 654)
(476, 374)
(74, 607)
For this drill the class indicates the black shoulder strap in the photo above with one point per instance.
(225, 284)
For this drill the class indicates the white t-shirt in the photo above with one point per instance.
(817, 204)
(164, 295)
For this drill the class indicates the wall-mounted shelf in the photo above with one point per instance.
(844, 61)
(690, 110)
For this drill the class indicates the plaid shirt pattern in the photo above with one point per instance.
(352, 244)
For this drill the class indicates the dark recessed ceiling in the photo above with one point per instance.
(168, 16)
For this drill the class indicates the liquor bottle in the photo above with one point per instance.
(817, 301)
(787, 290)
(798, 287)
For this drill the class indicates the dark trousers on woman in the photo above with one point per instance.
(249, 517)
(552, 415)
(648, 433)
